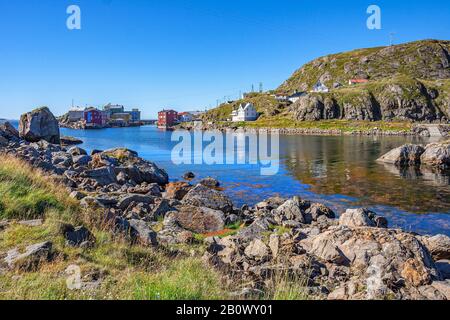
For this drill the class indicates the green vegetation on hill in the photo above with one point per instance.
(421, 59)
(264, 103)
(406, 83)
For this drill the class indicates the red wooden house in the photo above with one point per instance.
(167, 118)
(95, 118)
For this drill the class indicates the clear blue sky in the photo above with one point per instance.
(182, 54)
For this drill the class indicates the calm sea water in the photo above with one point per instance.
(338, 171)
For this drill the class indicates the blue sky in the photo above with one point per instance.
(182, 54)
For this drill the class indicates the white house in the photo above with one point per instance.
(185, 117)
(76, 114)
(320, 87)
(245, 112)
(295, 97)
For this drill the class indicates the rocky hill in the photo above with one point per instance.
(428, 59)
(408, 82)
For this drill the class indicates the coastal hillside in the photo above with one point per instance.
(427, 59)
(403, 83)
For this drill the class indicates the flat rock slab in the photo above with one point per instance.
(31, 258)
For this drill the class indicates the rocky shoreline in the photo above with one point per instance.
(417, 130)
(353, 255)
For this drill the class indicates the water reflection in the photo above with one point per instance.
(347, 166)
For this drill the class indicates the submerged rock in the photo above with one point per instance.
(70, 141)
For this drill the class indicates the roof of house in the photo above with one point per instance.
(359, 80)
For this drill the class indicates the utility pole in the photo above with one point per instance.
(391, 38)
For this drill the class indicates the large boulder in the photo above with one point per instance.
(39, 124)
(437, 155)
(201, 196)
(130, 167)
(408, 154)
(293, 209)
(197, 219)
(383, 260)
(439, 246)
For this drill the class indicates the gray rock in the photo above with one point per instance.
(8, 131)
(317, 210)
(31, 258)
(77, 195)
(201, 196)
(362, 218)
(438, 246)
(143, 232)
(291, 210)
(197, 219)
(257, 250)
(189, 176)
(76, 151)
(79, 236)
(82, 160)
(437, 155)
(70, 141)
(161, 209)
(91, 203)
(255, 230)
(125, 201)
(39, 124)
(210, 182)
(32, 223)
(392, 255)
(103, 176)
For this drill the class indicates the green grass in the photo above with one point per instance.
(282, 122)
(127, 271)
(26, 194)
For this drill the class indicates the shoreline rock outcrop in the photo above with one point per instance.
(433, 155)
(39, 124)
